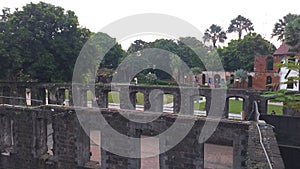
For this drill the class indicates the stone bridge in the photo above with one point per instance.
(183, 98)
(38, 131)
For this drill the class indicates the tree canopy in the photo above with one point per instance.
(240, 24)
(239, 54)
(279, 29)
(214, 34)
(40, 42)
(292, 34)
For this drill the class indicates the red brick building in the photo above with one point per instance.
(265, 72)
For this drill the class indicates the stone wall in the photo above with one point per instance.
(286, 130)
(71, 146)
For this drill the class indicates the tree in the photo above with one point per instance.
(239, 54)
(241, 75)
(292, 35)
(240, 24)
(280, 26)
(42, 42)
(214, 34)
(290, 99)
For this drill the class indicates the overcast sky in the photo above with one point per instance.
(200, 13)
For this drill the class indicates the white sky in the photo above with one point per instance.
(95, 14)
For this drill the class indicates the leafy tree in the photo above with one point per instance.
(196, 70)
(240, 24)
(290, 99)
(151, 78)
(42, 42)
(239, 54)
(214, 34)
(292, 34)
(280, 26)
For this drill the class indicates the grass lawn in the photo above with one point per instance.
(235, 106)
(113, 97)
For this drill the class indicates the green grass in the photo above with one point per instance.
(236, 106)
(114, 97)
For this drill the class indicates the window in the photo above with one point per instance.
(270, 63)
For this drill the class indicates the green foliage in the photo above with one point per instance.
(196, 70)
(239, 54)
(42, 42)
(280, 26)
(241, 75)
(292, 34)
(188, 49)
(214, 34)
(240, 24)
(290, 99)
(151, 78)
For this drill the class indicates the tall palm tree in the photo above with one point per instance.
(240, 24)
(214, 34)
(280, 26)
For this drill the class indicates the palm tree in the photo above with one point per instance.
(240, 24)
(280, 27)
(241, 75)
(214, 34)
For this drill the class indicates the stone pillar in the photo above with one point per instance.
(263, 106)
(147, 103)
(102, 99)
(71, 145)
(124, 146)
(240, 150)
(189, 153)
(127, 100)
(176, 103)
(187, 104)
(226, 109)
(207, 104)
(156, 98)
(5, 131)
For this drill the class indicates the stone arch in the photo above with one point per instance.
(200, 104)
(203, 79)
(233, 107)
(217, 80)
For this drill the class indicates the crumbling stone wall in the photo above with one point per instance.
(71, 146)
